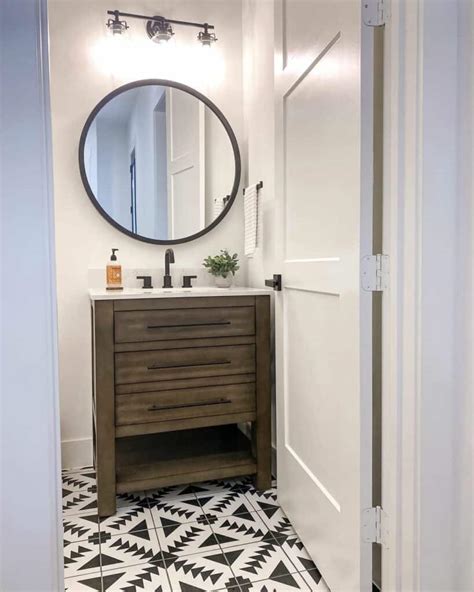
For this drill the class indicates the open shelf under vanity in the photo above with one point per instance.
(173, 458)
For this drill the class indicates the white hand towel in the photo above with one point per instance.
(251, 219)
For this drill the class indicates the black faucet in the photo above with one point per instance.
(169, 258)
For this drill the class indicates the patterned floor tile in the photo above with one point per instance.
(186, 539)
(81, 527)
(240, 530)
(82, 480)
(286, 583)
(267, 496)
(315, 581)
(127, 519)
(225, 485)
(295, 550)
(173, 493)
(274, 517)
(132, 499)
(79, 493)
(84, 583)
(81, 558)
(259, 561)
(182, 510)
(202, 572)
(213, 536)
(128, 549)
(146, 577)
(228, 503)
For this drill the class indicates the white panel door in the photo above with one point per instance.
(185, 162)
(323, 319)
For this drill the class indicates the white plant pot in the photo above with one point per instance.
(223, 282)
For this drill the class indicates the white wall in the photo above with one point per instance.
(30, 504)
(82, 72)
(259, 128)
(258, 69)
(445, 413)
(219, 162)
(113, 177)
(463, 465)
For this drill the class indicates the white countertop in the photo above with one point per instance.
(130, 293)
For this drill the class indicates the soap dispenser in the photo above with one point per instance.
(114, 273)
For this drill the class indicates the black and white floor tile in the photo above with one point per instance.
(212, 536)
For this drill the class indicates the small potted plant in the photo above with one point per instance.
(222, 267)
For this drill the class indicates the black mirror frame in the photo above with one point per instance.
(208, 103)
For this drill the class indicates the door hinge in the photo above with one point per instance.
(375, 273)
(375, 526)
(374, 12)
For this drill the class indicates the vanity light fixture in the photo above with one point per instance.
(159, 28)
(206, 38)
(115, 25)
(159, 31)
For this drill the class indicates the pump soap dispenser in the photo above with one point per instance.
(114, 273)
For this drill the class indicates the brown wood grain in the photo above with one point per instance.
(195, 455)
(182, 383)
(262, 427)
(182, 343)
(183, 424)
(103, 332)
(177, 303)
(184, 323)
(177, 364)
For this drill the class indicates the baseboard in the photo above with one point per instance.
(76, 453)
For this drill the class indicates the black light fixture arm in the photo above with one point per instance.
(117, 14)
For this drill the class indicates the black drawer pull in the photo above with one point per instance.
(189, 325)
(183, 405)
(217, 363)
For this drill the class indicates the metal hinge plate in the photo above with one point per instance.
(374, 12)
(375, 526)
(375, 273)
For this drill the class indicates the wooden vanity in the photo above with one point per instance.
(172, 377)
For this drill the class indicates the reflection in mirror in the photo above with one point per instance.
(159, 162)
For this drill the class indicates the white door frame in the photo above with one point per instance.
(423, 224)
(31, 533)
(400, 329)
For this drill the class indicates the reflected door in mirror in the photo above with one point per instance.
(159, 162)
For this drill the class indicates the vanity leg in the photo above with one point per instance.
(261, 428)
(104, 406)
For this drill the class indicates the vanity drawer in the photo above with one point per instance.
(180, 404)
(178, 364)
(183, 323)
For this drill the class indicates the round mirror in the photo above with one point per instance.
(159, 161)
